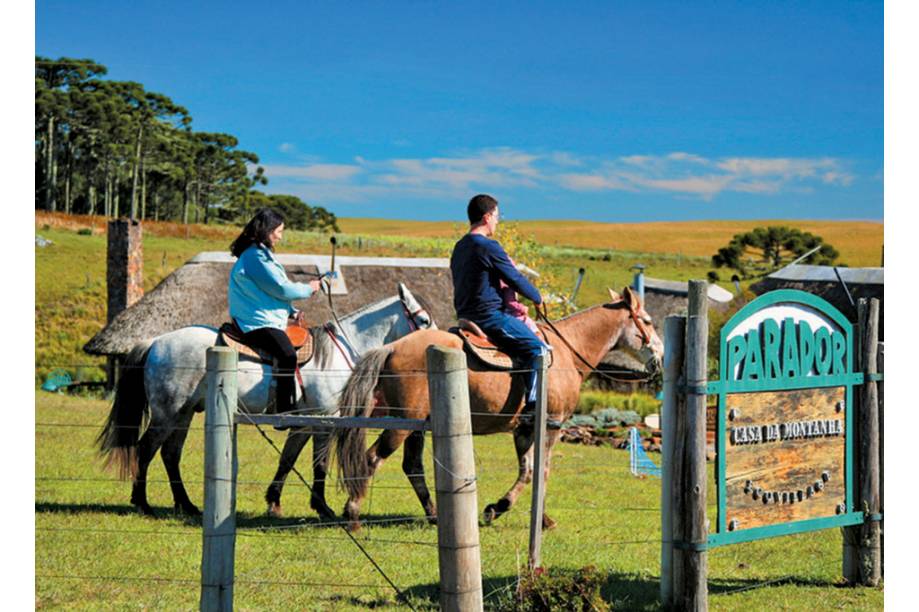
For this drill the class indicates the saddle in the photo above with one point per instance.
(477, 344)
(301, 337)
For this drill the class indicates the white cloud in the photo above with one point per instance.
(504, 168)
(287, 147)
(589, 182)
(318, 172)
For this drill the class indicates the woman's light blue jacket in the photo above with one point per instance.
(260, 293)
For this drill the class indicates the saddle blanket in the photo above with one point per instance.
(230, 335)
(478, 345)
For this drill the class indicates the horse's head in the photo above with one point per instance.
(416, 314)
(638, 338)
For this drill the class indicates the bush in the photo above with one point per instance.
(592, 401)
(544, 590)
(85, 231)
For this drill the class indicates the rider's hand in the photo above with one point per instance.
(314, 285)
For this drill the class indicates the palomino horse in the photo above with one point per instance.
(495, 398)
(163, 382)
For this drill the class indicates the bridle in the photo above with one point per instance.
(410, 315)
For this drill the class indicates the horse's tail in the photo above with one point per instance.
(357, 400)
(119, 437)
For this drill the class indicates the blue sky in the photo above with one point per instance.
(638, 111)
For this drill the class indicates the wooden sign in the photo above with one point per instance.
(784, 417)
(785, 456)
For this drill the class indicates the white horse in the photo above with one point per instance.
(163, 382)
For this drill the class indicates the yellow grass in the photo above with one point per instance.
(859, 242)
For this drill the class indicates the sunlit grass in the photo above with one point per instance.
(92, 551)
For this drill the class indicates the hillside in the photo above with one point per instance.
(859, 242)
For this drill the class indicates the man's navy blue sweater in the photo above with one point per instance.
(478, 264)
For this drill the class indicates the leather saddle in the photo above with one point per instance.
(479, 346)
(230, 335)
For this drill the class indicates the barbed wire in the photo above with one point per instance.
(341, 371)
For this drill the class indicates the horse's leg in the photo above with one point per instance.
(147, 446)
(293, 446)
(413, 466)
(321, 448)
(385, 445)
(523, 443)
(172, 456)
(553, 437)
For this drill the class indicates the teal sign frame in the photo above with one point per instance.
(848, 379)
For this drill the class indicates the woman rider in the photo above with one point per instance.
(260, 298)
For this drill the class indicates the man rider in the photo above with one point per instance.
(478, 265)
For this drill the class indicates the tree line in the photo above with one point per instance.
(113, 148)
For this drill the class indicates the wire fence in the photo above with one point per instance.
(612, 511)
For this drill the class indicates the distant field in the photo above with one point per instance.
(859, 242)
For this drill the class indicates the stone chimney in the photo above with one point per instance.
(125, 272)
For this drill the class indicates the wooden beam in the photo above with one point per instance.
(333, 422)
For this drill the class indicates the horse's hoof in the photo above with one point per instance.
(323, 510)
(353, 526)
(432, 519)
(274, 510)
(490, 514)
(547, 523)
(188, 509)
(145, 510)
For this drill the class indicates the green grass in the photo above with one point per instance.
(92, 551)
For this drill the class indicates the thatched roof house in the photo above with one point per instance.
(196, 294)
(824, 282)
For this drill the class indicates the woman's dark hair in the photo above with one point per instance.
(256, 231)
(479, 206)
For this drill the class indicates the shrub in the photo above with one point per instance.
(544, 590)
(592, 401)
(85, 231)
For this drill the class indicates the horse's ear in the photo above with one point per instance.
(631, 298)
(613, 296)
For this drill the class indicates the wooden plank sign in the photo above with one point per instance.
(785, 456)
(784, 417)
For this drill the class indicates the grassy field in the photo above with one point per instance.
(93, 552)
(859, 242)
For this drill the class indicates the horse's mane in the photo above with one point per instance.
(322, 346)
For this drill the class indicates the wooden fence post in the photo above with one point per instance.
(869, 494)
(861, 553)
(455, 483)
(220, 467)
(537, 505)
(674, 332)
(690, 533)
(881, 443)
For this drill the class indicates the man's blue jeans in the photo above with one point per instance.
(514, 338)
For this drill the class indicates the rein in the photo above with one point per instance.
(541, 314)
(328, 293)
(328, 329)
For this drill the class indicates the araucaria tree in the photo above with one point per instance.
(766, 249)
(116, 149)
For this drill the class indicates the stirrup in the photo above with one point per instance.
(528, 419)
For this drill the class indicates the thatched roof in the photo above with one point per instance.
(196, 294)
(822, 281)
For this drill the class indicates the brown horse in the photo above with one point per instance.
(496, 398)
